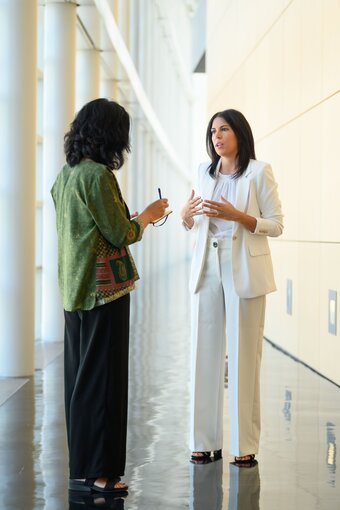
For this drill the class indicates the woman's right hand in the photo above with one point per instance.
(154, 211)
(191, 208)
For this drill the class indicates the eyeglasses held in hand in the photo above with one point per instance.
(159, 222)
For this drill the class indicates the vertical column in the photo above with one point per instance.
(109, 75)
(117, 69)
(59, 102)
(18, 56)
(88, 71)
(146, 30)
(135, 163)
(109, 89)
(133, 33)
(124, 20)
(147, 61)
(121, 12)
(88, 59)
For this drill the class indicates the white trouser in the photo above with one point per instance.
(217, 311)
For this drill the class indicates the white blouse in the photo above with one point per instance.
(226, 186)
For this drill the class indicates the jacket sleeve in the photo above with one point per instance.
(108, 212)
(270, 221)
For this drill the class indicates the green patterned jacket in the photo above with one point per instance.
(94, 230)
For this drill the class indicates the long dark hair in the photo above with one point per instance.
(100, 131)
(245, 141)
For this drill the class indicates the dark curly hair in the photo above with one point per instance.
(245, 140)
(100, 131)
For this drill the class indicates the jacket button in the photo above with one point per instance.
(234, 238)
(215, 244)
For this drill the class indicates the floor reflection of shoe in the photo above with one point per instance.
(81, 500)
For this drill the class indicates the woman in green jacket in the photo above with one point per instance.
(96, 275)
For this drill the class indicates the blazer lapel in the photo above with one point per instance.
(207, 189)
(242, 192)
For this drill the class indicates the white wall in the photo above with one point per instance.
(278, 62)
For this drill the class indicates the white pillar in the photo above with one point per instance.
(109, 75)
(59, 107)
(121, 12)
(18, 57)
(88, 58)
(88, 72)
(109, 89)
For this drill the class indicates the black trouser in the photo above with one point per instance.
(96, 388)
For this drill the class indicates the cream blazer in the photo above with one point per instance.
(257, 196)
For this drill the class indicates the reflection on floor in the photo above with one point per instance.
(44, 354)
(297, 466)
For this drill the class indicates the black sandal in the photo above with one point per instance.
(217, 454)
(202, 458)
(89, 485)
(247, 463)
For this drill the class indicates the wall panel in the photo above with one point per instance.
(278, 62)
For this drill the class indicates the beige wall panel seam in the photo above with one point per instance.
(296, 117)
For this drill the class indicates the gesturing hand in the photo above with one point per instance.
(223, 210)
(191, 208)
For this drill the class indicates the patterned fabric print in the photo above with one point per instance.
(132, 233)
(115, 272)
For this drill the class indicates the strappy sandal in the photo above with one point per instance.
(201, 458)
(217, 454)
(247, 463)
(89, 485)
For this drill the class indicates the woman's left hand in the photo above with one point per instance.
(223, 210)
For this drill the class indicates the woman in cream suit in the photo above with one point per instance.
(236, 209)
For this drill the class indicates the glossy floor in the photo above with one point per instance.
(297, 466)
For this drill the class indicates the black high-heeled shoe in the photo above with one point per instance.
(201, 458)
(246, 463)
(217, 454)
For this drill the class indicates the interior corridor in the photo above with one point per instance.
(297, 466)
